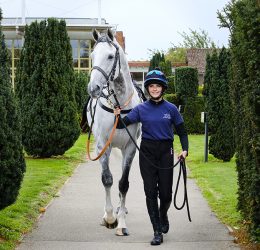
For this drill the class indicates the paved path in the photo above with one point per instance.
(72, 220)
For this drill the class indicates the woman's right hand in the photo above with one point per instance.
(117, 111)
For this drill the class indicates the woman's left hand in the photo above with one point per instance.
(183, 155)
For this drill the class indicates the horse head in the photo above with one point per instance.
(105, 61)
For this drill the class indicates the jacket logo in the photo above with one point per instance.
(166, 116)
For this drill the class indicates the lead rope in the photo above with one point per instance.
(112, 132)
(106, 145)
(108, 141)
(182, 170)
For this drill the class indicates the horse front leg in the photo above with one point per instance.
(109, 218)
(128, 155)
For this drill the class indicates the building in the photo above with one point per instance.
(196, 58)
(79, 31)
(139, 69)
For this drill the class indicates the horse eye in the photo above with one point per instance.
(110, 57)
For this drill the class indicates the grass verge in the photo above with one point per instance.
(218, 183)
(42, 180)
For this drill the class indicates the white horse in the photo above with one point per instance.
(111, 83)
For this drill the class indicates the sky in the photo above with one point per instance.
(148, 25)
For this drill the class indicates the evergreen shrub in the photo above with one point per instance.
(171, 85)
(186, 82)
(173, 98)
(218, 103)
(81, 93)
(45, 86)
(192, 115)
(191, 112)
(12, 163)
(243, 20)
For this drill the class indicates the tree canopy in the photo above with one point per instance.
(192, 39)
(196, 39)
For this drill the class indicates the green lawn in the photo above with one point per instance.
(42, 180)
(216, 179)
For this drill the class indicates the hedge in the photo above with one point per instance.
(186, 81)
(243, 20)
(191, 112)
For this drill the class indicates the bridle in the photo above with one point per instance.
(109, 77)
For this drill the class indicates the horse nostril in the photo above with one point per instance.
(97, 90)
(94, 91)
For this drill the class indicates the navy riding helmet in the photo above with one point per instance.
(155, 76)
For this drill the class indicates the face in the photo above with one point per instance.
(155, 90)
(103, 57)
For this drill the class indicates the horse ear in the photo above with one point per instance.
(110, 34)
(95, 34)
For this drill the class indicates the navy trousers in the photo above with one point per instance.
(157, 182)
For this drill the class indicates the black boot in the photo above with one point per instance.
(153, 211)
(164, 217)
(157, 239)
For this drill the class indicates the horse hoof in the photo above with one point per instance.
(118, 208)
(122, 232)
(109, 225)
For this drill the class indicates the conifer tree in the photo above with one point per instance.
(186, 81)
(46, 90)
(81, 93)
(221, 143)
(207, 76)
(212, 98)
(242, 18)
(158, 61)
(12, 164)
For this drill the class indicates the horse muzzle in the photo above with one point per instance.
(95, 91)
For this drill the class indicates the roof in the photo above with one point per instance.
(13, 21)
(139, 64)
(78, 28)
(197, 58)
(147, 64)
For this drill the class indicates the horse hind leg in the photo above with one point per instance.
(109, 218)
(128, 156)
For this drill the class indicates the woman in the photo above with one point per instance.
(158, 117)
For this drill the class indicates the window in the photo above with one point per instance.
(18, 43)
(9, 43)
(15, 47)
(81, 50)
